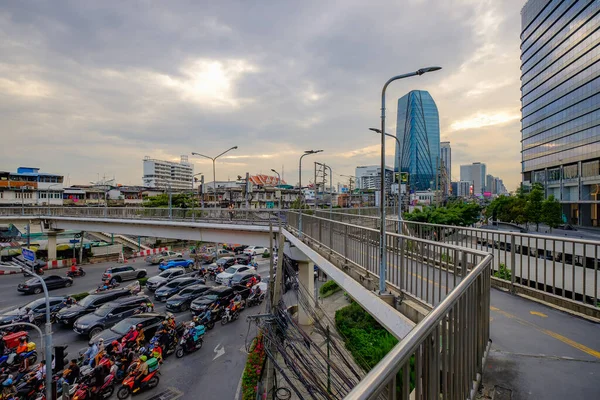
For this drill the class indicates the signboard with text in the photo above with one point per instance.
(28, 254)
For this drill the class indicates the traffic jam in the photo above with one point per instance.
(132, 322)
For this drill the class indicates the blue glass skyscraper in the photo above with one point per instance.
(418, 130)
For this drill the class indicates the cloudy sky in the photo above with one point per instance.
(89, 88)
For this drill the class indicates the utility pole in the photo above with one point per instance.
(201, 190)
(247, 191)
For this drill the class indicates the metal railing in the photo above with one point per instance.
(218, 215)
(443, 356)
(559, 266)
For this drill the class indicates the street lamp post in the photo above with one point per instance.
(306, 153)
(382, 231)
(48, 333)
(193, 194)
(350, 179)
(278, 184)
(48, 194)
(214, 172)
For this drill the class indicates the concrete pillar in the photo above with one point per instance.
(306, 280)
(52, 245)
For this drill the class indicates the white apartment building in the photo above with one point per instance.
(160, 174)
(369, 177)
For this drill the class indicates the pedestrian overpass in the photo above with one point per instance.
(438, 279)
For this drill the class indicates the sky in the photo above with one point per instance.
(89, 88)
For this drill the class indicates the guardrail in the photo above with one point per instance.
(443, 356)
(560, 270)
(218, 215)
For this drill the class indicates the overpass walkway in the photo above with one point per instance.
(537, 351)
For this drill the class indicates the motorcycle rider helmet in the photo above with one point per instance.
(132, 327)
(143, 358)
(142, 350)
(140, 326)
(192, 324)
(7, 382)
(115, 343)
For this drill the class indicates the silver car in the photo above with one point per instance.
(163, 256)
(123, 273)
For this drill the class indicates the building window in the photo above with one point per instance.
(591, 168)
(554, 174)
(570, 171)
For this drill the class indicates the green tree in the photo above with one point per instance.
(533, 208)
(551, 212)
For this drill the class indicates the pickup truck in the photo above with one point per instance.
(163, 256)
(212, 257)
(176, 263)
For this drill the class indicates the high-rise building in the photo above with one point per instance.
(489, 183)
(446, 157)
(418, 130)
(465, 173)
(369, 177)
(161, 174)
(560, 103)
(464, 189)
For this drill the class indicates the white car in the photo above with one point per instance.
(254, 250)
(224, 277)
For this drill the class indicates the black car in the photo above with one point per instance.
(108, 315)
(239, 249)
(174, 287)
(89, 304)
(217, 294)
(150, 322)
(243, 259)
(39, 310)
(34, 286)
(241, 279)
(166, 276)
(225, 262)
(181, 301)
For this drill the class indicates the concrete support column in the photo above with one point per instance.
(306, 280)
(52, 245)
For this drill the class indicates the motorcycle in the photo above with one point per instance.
(129, 386)
(254, 300)
(29, 389)
(38, 270)
(208, 318)
(190, 342)
(107, 287)
(85, 391)
(230, 316)
(76, 274)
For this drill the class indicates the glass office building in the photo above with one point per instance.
(418, 130)
(560, 103)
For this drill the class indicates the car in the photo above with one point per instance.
(163, 256)
(89, 304)
(34, 286)
(255, 250)
(108, 315)
(219, 294)
(123, 273)
(149, 321)
(157, 281)
(243, 259)
(240, 280)
(213, 256)
(176, 263)
(239, 249)
(224, 277)
(38, 306)
(174, 287)
(181, 301)
(225, 262)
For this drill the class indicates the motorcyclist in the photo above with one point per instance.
(99, 374)
(8, 389)
(139, 340)
(22, 347)
(157, 353)
(141, 371)
(237, 298)
(90, 353)
(29, 315)
(73, 269)
(131, 335)
(253, 281)
(163, 335)
(68, 302)
(72, 372)
(116, 347)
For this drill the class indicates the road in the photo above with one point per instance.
(214, 372)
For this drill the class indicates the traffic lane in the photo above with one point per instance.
(65, 335)
(92, 279)
(541, 330)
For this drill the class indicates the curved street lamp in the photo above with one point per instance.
(306, 153)
(382, 232)
(213, 163)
